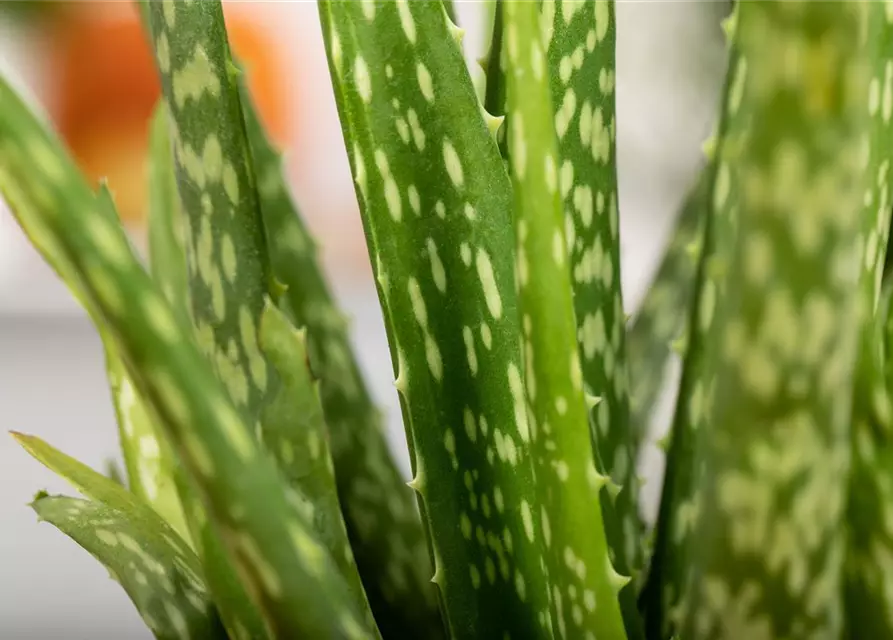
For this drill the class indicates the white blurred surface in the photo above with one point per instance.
(52, 382)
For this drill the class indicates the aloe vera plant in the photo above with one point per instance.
(260, 498)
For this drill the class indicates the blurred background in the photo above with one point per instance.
(86, 65)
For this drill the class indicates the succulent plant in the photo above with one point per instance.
(260, 498)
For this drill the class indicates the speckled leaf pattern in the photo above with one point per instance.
(284, 567)
(769, 541)
(662, 322)
(163, 583)
(580, 38)
(30, 201)
(156, 567)
(436, 206)
(716, 197)
(379, 509)
(226, 248)
(584, 584)
(869, 604)
(167, 250)
(149, 462)
(294, 431)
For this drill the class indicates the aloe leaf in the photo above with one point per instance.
(663, 319)
(149, 461)
(869, 607)
(580, 37)
(167, 250)
(712, 228)
(568, 482)
(286, 570)
(436, 207)
(768, 545)
(380, 512)
(152, 562)
(157, 477)
(300, 444)
(228, 265)
(161, 580)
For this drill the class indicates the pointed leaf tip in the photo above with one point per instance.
(679, 345)
(729, 25)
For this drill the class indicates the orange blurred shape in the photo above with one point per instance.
(106, 88)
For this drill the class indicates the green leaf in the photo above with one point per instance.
(568, 483)
(666, 309)
(768, 540)
(295, 432)
(580, 39)
(436, 206)
(167, 250)
(713, 208)
(167, 253)
(286, 570)
(150, 463)
(869, 606)
(152, 562)
(228, 264)
(162, 581)
(380, 512)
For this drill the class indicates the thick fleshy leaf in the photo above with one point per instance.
(287, 571)
(228, 265)
(769, 542)
(295, 432)
(715, 210)
(150, 463)
(162, 580)
(662, 322)
(580, 39)
(380, 511)
(869, 605)
(568, 482)
(152, 562)
(436, 206)
(167, 250)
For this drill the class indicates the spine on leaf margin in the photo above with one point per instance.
(783, 332)
(568, 482)
(580, 38)
(428, 174)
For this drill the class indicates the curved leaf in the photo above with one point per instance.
(162, 579)
(288, 573)
(436, 207)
